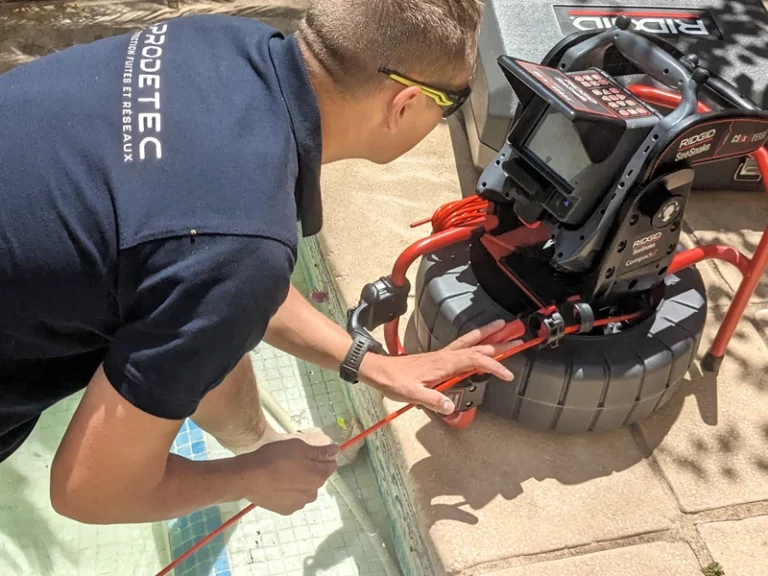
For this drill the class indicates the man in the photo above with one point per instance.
(151, 186)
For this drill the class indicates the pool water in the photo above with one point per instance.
(35, 540)
(323, 539)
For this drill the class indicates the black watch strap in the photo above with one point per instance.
(351, 365)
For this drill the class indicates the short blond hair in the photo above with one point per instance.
(426, 39)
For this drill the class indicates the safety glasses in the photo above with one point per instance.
(449, 100)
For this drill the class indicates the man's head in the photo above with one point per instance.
(397, 66)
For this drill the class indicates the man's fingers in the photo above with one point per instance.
(428, 398)
(322, 454)
(324, 469)
(490, 366)
(496, 349)
(476, 336)
(475, 360)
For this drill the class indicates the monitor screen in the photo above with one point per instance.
(556, 143)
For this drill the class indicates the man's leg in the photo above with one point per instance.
(231, 412)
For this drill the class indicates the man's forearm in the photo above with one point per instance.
(184, 487)
(301, 330)
(188, 486)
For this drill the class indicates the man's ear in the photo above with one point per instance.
(400, 105)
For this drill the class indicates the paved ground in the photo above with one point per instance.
(684, 489)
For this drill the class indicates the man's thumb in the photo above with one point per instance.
(435, 401)
(327, 453)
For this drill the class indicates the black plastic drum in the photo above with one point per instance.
(587, 383)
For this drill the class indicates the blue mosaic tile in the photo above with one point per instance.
(198, 447)
(221, 566)
(196, 434)
(186, 531)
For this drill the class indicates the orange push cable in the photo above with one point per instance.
(470, 211)
(386, 420)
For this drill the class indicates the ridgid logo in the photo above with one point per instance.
(661, 21)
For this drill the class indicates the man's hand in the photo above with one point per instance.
(303, 331)
(287, 473)
(410, 378)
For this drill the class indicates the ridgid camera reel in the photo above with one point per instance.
(573, 235)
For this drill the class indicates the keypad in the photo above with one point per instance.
(591, 80)
(611, 96)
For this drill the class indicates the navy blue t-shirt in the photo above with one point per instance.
(150, 188)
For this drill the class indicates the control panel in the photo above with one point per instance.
(574, 136)
(611, 94)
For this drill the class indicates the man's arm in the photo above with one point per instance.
(190, 311)
(298, 328)
(114, 466)
(108, 440)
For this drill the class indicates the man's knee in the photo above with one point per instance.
(231, 412)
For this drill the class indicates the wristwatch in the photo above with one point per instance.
(361, 344)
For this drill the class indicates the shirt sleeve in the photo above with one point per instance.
(190, 309)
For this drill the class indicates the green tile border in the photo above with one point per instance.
(411, 547)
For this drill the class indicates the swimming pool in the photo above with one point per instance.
(323, 539)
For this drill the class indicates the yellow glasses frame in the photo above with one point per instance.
(449, 100)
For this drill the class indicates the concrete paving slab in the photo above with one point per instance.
(711, 439)
(740, 546)
(497, 490)
(673, 558)
(759, 314)
(733, 218)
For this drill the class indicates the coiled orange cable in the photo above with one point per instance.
(470, 211)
